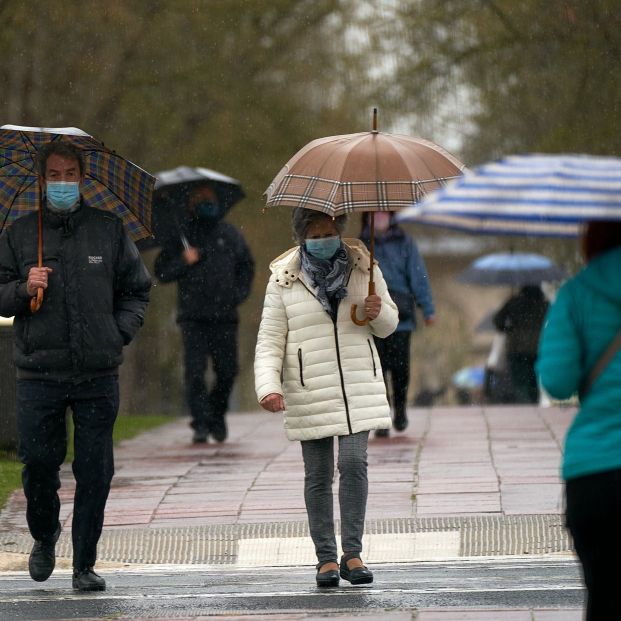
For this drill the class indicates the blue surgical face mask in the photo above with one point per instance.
(324, 248)
(62, 195)
(207, 210)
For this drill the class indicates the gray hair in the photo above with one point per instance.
(302, 218)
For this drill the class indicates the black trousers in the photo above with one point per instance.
(201, 342)
(523, 377)
(593, 515)
(394, 353)
(41, 411)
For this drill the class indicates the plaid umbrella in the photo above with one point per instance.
(368, 171)
(111, 182)
(535, 194)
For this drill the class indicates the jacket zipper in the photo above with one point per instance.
(372, 358)
(300, 363)
(338, 360)
(338, 355)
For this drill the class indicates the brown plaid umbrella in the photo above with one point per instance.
(369, 171)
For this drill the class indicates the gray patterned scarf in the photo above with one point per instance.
(328, 276)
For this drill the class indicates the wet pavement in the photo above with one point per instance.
(460, 485)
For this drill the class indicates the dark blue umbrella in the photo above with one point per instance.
(512, 269)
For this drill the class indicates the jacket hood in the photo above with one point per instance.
(602, 274)
(286, 267)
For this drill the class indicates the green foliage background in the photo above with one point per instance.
(241, 85)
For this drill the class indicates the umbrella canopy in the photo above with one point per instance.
(533, 194)
(111, 182)
(513, 269)
(172, 191)
(368, 171)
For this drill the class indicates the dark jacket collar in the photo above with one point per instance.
(65, 221)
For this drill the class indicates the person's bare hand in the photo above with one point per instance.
(372, 306)
(273, 402)
(430, 321)
(37, 279)
(191, 255)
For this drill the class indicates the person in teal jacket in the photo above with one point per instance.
(580, 325)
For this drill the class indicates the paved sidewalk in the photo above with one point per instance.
(459, 482)
(462, 461)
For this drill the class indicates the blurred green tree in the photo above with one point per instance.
(517, 76)
(234, 85)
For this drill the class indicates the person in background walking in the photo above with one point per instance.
(580, 326)
(67, 354)
(408, 285)
(323, 370)
(214, 274)
(521, 319)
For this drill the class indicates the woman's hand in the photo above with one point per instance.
(372, 306)
(273, 402)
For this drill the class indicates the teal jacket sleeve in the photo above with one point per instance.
(560, 365)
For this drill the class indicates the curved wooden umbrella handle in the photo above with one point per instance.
(35, 303)
(354, 308)
(358, 322)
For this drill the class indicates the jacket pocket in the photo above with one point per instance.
(301, 366)
(372, 358)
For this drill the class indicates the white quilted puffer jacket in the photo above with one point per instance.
(328, 372)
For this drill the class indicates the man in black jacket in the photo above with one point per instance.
(214, 271)
(68, 352)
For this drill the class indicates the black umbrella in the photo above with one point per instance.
(170, 200)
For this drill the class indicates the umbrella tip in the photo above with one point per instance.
(374, 119)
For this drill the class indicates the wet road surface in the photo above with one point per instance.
(191, 591)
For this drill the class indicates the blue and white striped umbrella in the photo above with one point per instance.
(533, 194)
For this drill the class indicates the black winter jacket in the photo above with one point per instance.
(209, 291)
(95, 300)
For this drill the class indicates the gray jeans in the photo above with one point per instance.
(353, 490)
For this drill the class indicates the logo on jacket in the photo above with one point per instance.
(95, 259)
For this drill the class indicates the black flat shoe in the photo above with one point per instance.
(327, 579)
(357, 575)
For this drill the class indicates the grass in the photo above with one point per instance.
(126, 427)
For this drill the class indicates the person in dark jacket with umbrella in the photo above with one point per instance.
(67, 353)
(213, 267)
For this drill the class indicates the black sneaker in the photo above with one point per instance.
(43, 557)
(217, 429)
(200, 436)
(87, 580)
(401, 421)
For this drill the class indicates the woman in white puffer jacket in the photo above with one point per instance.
(323, 371)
